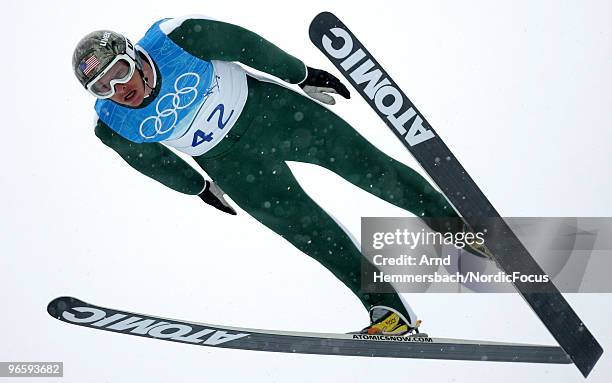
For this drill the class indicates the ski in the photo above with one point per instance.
(373, 83)
(74, 311)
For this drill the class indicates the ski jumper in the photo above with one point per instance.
(246, 151)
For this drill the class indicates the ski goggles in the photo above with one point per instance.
(119, 71)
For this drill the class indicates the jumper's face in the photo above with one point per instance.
(130, 93)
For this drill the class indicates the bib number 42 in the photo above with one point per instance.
(199, 136)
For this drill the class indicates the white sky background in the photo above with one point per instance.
(519, 90)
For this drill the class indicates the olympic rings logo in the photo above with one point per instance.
(160, 123)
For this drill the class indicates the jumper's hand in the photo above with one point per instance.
(213, 195)
(318, 83)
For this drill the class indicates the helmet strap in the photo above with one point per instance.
(140, 69)
(145, 80)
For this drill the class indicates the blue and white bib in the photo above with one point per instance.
(198, 102)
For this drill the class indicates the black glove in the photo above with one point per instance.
(213, 195)
(318, 83)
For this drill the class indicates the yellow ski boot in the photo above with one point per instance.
(386, 321)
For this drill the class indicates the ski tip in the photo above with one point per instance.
(60, 304)
(324, 14)
(323, 21)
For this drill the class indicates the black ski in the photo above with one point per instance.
(354, 61)
(72, 310)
